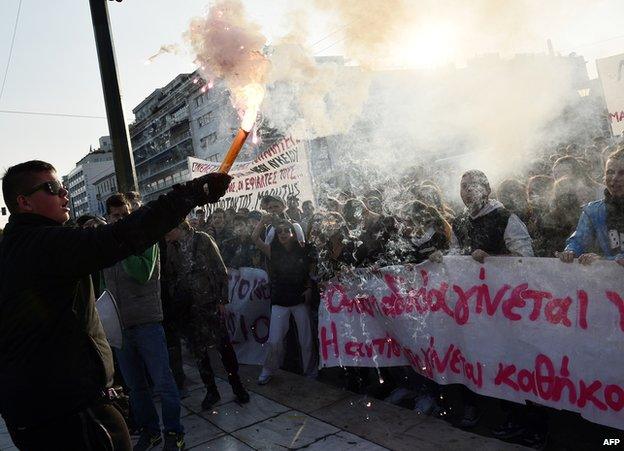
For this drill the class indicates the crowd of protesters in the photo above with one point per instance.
(535, 213)
(568, 203)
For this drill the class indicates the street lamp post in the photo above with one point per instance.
(122, 151)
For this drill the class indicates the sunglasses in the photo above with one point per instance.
(53, 188)
(283, 230)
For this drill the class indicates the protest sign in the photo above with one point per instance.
(611, 73)
(249, 313)
(281, 170)
(513, 328)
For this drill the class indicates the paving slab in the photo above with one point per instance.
(442, 434)
(291, 430)
(225, 443)
(296, 392)
(233, 416)
(194, 399)
(344, 440)
(399, 429)
(197, 430)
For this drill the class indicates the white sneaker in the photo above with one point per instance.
(264, 378)
(424, 405)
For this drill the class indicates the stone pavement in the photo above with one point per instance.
(293, 412)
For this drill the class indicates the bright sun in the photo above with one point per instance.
(427, 46)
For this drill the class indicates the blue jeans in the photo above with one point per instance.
(145, 349)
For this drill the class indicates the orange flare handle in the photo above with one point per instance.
(233, 152)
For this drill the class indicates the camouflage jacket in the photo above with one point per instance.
(196, 272)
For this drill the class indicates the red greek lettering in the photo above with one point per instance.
(354, 349)
(491, 305)
(526, 381)
(255, 328)
(436, 300)
(619, 303)
(556, 311)
(326, 342)
(544, 380)
(587, 394)
(563, 381)
(462, 310)
(614, 396)
(537, 297)
(515, 300)
(440, 365)
(582, 313)
(504, 374)
(456, 360)
(243, 288)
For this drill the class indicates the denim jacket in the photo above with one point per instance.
(591, 230)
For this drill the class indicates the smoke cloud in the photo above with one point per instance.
(230, 47)
(496, 110)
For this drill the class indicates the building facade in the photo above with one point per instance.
(187, 117)
(80, 180)
(105, 187)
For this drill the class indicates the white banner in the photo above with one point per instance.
(281, 170)
(611, 73)
(249, 313)
(513, 328)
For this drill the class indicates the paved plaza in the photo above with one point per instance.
(293, 412)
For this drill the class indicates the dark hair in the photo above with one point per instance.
(416, 207)
(478, 176)
(284, 223)
(539, 182)
(577, 167)
(429, 194)
(241, 218)
(19, 179)
(84, 219)
(268, 199)
(218, 210)
(133, 195)
(254, 214)
(510, 185)
(116, 200)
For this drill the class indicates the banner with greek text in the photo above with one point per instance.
(281, 170)
(513, 328)
(249, 313)
(611, 74)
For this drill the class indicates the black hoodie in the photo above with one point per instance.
(54, 357)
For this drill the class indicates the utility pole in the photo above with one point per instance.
(122, 151)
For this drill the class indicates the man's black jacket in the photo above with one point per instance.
(54, 357)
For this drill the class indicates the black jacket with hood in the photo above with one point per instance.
(54, 357)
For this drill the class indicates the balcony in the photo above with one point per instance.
(160, 170)
(160, 129)
(173, 142)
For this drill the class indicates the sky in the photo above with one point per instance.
(54, 67)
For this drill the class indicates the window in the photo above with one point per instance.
(199, 100)
(209, 139)
(205, 119)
